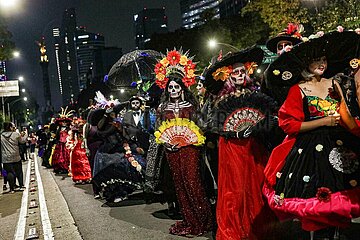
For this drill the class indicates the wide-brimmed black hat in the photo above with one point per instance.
(271, 44)
(291, 33)
(339, 48)
(252, 54)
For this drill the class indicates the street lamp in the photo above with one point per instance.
(21, 78)
(212, 43)
(9, 3)
(16, 54)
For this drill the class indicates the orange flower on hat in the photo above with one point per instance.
(173, 57)
(250, 67)
(222, 73)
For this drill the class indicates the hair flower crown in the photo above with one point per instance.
(175, 62)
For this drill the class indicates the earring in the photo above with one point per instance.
(182, 96)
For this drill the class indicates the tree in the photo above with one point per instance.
(239, 31)
(6, 45)
(278, 13)
(345, 13)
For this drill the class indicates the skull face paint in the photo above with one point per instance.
(135, 104)
(174, 90)
(200, 89)
(238, 75)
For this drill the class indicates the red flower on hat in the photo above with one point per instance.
(159, 68)
(173, 57)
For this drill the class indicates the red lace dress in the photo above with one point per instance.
(80, 166)
(185, 167)
(61, 155)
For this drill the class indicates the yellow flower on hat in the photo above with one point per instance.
(160, 76)
(165, 62)
(183, 60)
(276, 72)
(191, 73)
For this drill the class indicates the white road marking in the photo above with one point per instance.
(45, 220)
(20, 228)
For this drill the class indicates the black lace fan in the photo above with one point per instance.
(238, 113)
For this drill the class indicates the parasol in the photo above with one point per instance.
(134, 67)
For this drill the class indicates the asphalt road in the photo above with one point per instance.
(74, 214)
(131, 219)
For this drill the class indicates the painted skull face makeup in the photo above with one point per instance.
(238, 74)
(135, 104)
(200, 88)
(280, 47)
(174, 90)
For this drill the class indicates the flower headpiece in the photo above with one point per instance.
(250, 67)
(102, 102)
(294, 30)
(175, 62)
(65, 115)
(292, 33)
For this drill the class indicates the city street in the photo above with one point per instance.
(73, 213)
(67, 211)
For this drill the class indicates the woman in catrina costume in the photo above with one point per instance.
(178, 132)
(242, 117)
(313, 176)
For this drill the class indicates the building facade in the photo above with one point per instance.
(87, 44)
(147, 22)
(75, 56)
(192, 10)
(65, 53)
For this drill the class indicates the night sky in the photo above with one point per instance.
(36, 18)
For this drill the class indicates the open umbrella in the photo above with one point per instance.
(134, 67)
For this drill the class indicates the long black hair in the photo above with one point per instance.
(188, 95)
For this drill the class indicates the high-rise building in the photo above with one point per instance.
(2, 71)
(192, 10)
(229, 8)
(86, 45)
(65, 52)
(147, 22)
(105, 59)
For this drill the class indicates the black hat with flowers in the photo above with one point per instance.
(341, 49)
(64, 116)
(220, 68)
(291, 33)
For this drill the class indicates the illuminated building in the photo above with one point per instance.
(147, 22)
(191, 11)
